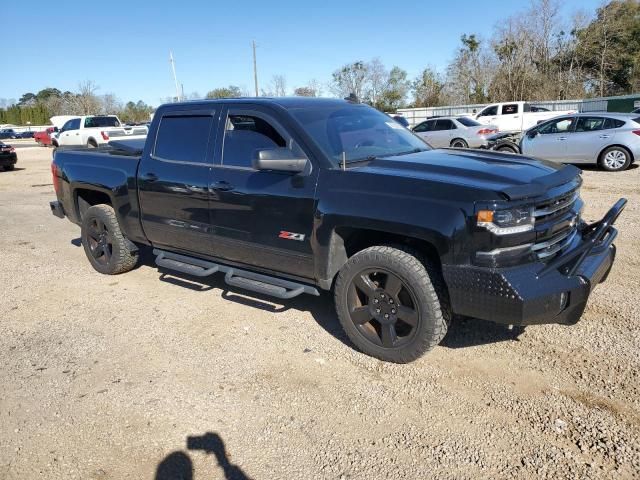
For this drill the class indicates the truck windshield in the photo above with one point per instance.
(358, 131)
(93, 122)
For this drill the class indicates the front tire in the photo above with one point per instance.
(507, 149)
(615, 159)
(104, 244)
(392, 305)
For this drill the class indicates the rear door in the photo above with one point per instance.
(261, 218)
(590, 137)
(173, 182)
(442, 134)
(551, 141)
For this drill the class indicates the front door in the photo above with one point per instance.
(550, 143)
(70, 133)
(173, 181)
(261, 218)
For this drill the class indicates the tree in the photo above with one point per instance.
(395, 90)
(609, 48)
(304, 92)
(278, 86)
(377, 80)
(27, 99)
(470, 72)
(428, 89)
(225, 92)
(350, 79)
(86, 102)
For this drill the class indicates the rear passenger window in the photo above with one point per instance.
(615, 123)
(589, 124)
(444, 125)
(183, 138)
(510, 109)
(244, 134)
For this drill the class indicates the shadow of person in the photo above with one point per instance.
(212, 443)
(176, 466)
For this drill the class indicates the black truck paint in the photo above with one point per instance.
(304, 226)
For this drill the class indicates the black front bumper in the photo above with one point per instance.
(537, 293)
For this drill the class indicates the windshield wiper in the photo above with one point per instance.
(415, 150)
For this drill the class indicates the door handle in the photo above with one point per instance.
(222, 186)
(561, 139)
(150, 177)
(605, 136)
(77, 134)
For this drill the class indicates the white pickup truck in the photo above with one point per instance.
(516, 116)
(95, 130)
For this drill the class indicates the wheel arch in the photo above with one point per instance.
(83, 198)
(455, 139)
(619, 145)
(345, 241)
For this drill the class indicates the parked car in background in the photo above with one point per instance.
(8, 156)
(8, 133)
(516, 116)
(44, 137)
(457, 132)
(401, 120)
(637, 110)
(26, 134)
(609, 140)
(94, 130)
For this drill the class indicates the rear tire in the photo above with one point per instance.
(392, 305)
(459, 143)
(615, 159)
(104, 244)
(92, 144)
(8, 168)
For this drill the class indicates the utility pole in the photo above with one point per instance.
(175, 78)
(255, 67)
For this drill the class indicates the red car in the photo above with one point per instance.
(44, 138)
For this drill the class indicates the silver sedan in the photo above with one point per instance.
(457, 132)
(610, 140)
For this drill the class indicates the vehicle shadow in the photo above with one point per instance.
(15, 169)
(471, 332)
(596, 168)
(463, 332)
(178, 465)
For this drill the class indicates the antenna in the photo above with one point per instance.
(255, 66)
(175, 78)
(344, 161)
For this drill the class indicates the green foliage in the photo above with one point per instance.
(225, 92)
(138, 112)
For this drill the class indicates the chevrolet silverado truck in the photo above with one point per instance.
(94, 130)
(293, 196)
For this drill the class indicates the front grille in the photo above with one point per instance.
(555, 244)
(555, 207)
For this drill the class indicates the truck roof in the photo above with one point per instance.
(286, 102)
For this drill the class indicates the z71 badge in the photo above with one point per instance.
(291, 236)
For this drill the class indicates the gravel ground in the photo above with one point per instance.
(146, 376)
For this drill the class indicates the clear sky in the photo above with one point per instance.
(123, 46)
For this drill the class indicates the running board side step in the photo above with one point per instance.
(255, 282)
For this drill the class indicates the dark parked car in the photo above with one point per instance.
(6, 133)
(8, 156)
(299, 195)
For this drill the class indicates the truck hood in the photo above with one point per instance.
(513, 176)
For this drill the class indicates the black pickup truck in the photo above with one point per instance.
(294, 195)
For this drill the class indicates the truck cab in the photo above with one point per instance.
(515, 116)
(94, 130)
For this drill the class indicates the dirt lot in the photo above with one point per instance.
(144, 376)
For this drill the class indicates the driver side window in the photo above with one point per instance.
(489, 111)
(244, 134)
(562, 125)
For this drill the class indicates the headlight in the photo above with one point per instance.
(505, 222)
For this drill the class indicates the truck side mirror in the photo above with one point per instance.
(280, 159)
